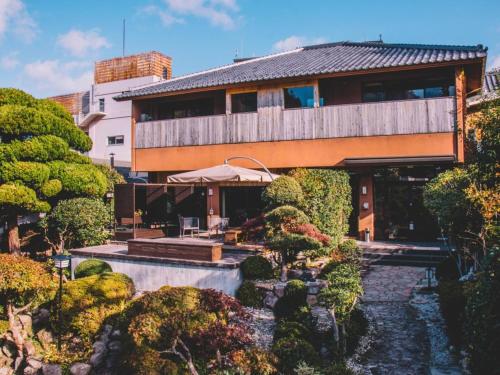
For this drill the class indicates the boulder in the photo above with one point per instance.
(28, 370)
(26, 323)
(270, 300)
(322, 319)
(312, 299)
(80, 369)
(35, 363)
(116, 334)
(313, 287)
(279, 289)
(45, 338)
(51, 369)
(98, 357)
(9, 349)
(115, 346)
(41, 317)
(295, 274)
(6, 371)
(264, 285)
(29, 348)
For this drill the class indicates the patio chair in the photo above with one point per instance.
(191, 224)
(217, 223)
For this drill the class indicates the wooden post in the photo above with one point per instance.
(461, 93)
(228, 104)
(366, 218)
(135, 114)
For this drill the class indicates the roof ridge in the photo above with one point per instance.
(478, 47)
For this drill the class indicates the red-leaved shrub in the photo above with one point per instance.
(310, 230)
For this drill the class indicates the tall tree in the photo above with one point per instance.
(40, 161)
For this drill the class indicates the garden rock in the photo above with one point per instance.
(9, 349)
(6, 371)
(26, 323)
(264, 285)
(34, 363)
(51, 370)
(312, 299)
(45, 338)
(295, 274)
(80, 369)
(41, 317)
(313, 287)
(5, 361)
(115, 346)
(29, 348)
(323, 322)
(279, 289)
(116, 334)
(270, 300)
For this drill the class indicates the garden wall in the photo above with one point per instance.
(151, 275)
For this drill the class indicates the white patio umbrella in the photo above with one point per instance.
(220, 173)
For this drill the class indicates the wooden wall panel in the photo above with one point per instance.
(272, 123)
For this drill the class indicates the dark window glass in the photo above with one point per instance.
(116, 140)
(374, 92)
(101, 105)
(246, 102)
(299, 97)
(165, 73)
(435, 92)
(414, 94)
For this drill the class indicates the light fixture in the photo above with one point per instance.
(60, 262)
(364, 190)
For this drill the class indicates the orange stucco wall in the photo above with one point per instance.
(289, 154)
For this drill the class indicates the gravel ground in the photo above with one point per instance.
(262, 324)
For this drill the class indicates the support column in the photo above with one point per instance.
(461, 95)
(213, 201)
(366, 218)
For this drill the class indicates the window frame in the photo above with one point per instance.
(115, 137)
(102, 105)
(244, 93)
(299, 86)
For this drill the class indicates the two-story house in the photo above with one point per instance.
(105, 120)
(390, 114)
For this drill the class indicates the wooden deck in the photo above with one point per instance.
(176, 248)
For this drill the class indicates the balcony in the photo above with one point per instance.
(420, 116)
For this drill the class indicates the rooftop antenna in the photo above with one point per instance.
(380, 38)
(123, 39)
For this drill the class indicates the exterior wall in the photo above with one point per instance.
(366, 219)
(115, 122)
(150, 276)
(291, 154)
(128, 67)
(72, 102)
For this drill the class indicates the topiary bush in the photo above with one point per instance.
(350, 252)
(249, 295)
(292, 351)
(91, 267)
(283, 191)
(295, 330)
(293, 305)
(256, 267)
(296, 292)
(327, 199)
(88, 301)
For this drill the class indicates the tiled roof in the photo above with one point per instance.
(490, 89)
(315, 60)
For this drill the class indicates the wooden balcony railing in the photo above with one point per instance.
(436, 115)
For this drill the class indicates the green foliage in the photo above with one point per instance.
(296, 292)
(283, 191)
(295, 330)
(292, 351)
(356, 327)
(51, 188)
(91, 267)
(447, 269)
(289, 245)
(20, 198)
(350, 252)
(256, 267)
(77, 158)
(24, 281)
(343, 290)
(41, 149)
(205, 323)
(79, 179)
(31, 174)
(253, 361)
(15, 96)
(482, 317)
(339, 368)
(452, 304)
(293, 306)
(284, 219)
(88, 301)
(327, 199)
(249, 295)
(112, 176)
(78, 222)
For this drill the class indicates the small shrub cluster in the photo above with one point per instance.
(249, 295)
(254, 229)
(91, 267)
(284, 191)
(256, 267)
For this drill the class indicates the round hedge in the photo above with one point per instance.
(91, 267)
(291, 330)
(292, 351)
(256, 267)
(249, 295)
(296, 292)
(284, 190)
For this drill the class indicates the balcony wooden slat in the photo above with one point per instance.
(272, 123)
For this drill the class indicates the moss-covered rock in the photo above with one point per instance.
(256, 267)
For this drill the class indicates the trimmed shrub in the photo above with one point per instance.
(293, 305)
(310, 230)
(91, 267)
(31, 174)
(294, 330)
(327, 200)
(249, 295)
(254, 229)
(79, 179)
(284, 218)
(51, 188)
(296, 292)
(88, 301)
(253, 361)
(356, 327)
(256, 267)
(283, 191)
(77, 222)
(292, 351)
(350, 251)
(452, 305)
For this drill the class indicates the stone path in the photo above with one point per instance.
(400, 344)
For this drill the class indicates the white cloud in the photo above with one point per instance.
(10, 61)
(294, 41)
(221, 13)
(494, 63)
(14, 17)
(54, 76)
(79, 43)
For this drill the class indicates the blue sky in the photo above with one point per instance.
(48, 47)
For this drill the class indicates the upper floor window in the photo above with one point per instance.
(116, 140)
(101, 105)
(380, 91)
(299, 97)
(165, 73)
(246, 102)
